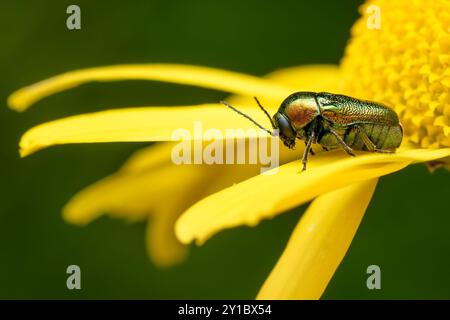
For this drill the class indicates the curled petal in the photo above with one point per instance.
(265, 196)
(133, 196)
(162, 246)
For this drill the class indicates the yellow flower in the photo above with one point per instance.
(404, 64)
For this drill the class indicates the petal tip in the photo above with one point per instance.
(182, 233)
(24, 152)
(26, 148)
(73, 217)
(16, 102)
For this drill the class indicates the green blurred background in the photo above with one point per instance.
(405, 230)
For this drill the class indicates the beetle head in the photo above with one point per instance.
(286, 133)
(296, 111)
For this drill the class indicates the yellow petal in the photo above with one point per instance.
(106, 195)
(133, 196)
(139, 124)
(151, 157)
(183, 74)
(318, 244)
(162, 246)
(316, 78)
(265, 196)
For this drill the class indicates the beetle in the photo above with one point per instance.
(333, 121)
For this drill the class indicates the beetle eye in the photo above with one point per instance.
(284, 126)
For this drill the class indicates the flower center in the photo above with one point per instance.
(399, 54)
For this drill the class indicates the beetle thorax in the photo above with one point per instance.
(301, 112)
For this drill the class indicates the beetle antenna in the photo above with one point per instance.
(265, 111)
(246, 116)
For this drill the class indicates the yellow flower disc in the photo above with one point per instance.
(399, 54)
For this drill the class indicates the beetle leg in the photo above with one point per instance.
(365, 138)
(342, 142)
(307, 150)
(369, 144)
(384, 151)
(311, 151)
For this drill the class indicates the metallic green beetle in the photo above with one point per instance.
(334, 120)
